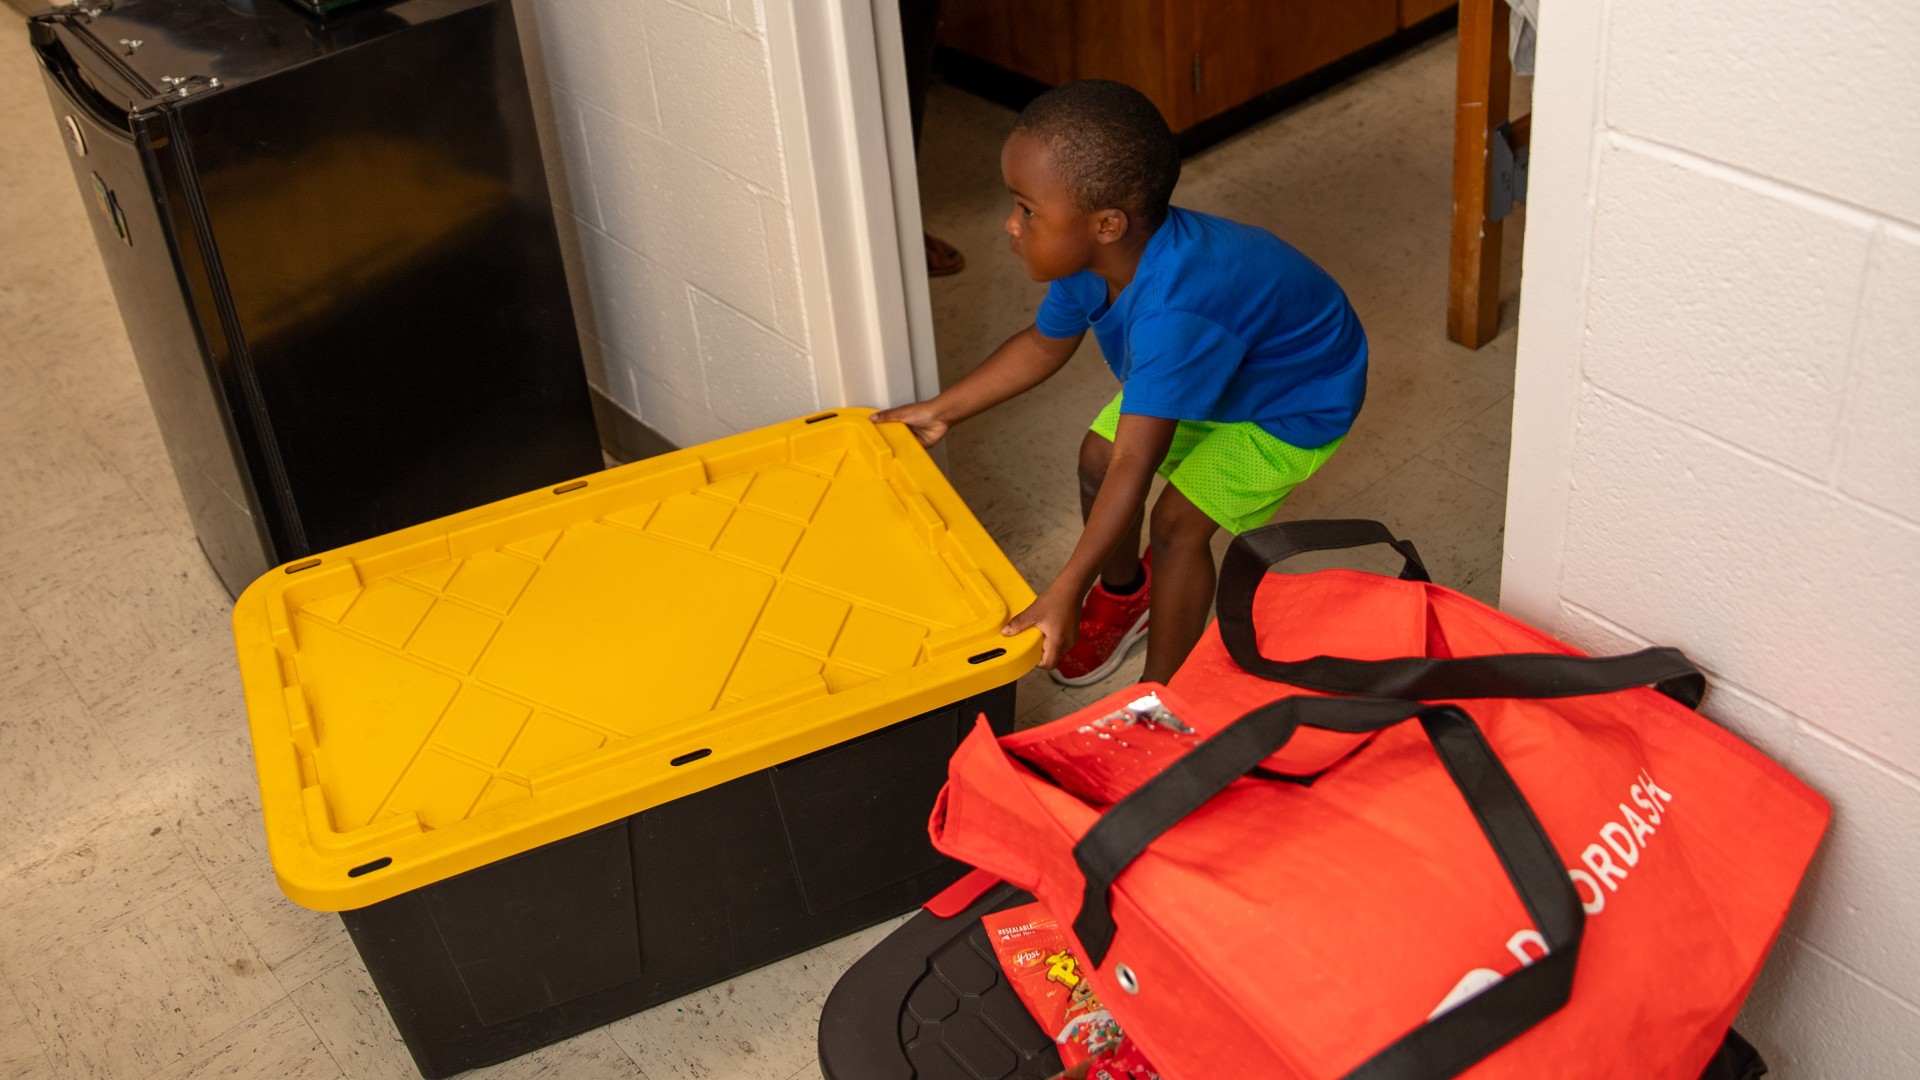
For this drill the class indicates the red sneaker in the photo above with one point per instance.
(1110, 626)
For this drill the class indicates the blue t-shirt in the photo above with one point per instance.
(1224, 322)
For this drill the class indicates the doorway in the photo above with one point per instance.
(1358, 177)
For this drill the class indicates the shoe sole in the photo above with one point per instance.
(1127, 641)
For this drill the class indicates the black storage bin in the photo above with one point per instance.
(570, 755)
(526, 951)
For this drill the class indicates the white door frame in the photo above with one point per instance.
(840, 89)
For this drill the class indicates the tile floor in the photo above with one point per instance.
(143, 935)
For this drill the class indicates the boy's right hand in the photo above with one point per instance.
(926, 421)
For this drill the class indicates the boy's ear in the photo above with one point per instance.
(1111, 225)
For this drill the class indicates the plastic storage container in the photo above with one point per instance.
(929, 1003)
(575, 753)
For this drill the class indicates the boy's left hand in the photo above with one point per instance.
(1057, 615)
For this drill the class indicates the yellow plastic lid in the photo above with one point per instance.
(445, 696)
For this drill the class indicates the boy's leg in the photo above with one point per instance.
(1117, 610)
(1121, 570)
(1183, 582)
(1235, 478)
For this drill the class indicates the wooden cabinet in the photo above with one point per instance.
(1243, 48)
(1195, 58)
(1412, 11)
(1137, 42)
(1032, 37)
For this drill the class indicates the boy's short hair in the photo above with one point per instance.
(1110, 144)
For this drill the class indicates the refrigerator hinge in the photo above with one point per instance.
(180, 86)
(92, 9)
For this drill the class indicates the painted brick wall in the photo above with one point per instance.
(1715, 432)
(663, 145)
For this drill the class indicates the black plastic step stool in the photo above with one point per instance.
(929, 1003)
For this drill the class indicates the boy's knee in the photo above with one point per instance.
(1095, 452)
(1176, 521)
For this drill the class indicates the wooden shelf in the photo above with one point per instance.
(1196, 59)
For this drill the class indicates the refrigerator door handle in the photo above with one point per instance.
(86, 99)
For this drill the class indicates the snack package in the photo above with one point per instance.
(1034, 953)
(1123, 1062)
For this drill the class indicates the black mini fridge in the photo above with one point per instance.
(331, 242)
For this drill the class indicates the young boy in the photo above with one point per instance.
(1241, 367)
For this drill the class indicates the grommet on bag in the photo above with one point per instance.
(1125, 977)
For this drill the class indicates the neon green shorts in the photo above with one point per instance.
(1238, 474)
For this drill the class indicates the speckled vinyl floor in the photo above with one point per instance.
(141, 932)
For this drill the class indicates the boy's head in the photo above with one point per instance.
(1089, 163)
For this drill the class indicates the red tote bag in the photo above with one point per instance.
(1377, 830)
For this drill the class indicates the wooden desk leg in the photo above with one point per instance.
(1480, 106)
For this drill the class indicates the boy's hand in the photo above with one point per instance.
(928, 425)
(1057, 614)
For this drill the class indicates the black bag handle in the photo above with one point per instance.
(1453, 1041)
(1515, 675)
(1276, 543)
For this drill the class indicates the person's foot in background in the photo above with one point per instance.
(943, 258)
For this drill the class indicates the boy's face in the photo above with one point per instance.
(1053, 237)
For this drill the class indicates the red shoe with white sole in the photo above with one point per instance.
(1110, 626)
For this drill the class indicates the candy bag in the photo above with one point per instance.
(1040, 965)
(1123, 1062)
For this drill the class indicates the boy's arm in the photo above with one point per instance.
(1139, 446)
(1021, 363)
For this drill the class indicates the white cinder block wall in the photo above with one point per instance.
(1717, 432)
(664, 152)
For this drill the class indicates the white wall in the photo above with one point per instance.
(665, 159)
(1717, 432)
(725, 192)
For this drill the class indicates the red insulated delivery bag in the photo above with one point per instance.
(1375, 829)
